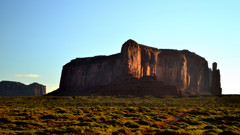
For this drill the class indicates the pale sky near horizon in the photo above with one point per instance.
(37, 37)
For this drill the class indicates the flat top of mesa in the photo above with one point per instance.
(140, 70)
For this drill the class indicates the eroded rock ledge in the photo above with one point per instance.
(140, 70)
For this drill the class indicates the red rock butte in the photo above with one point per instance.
(140, 70)
(9, 88)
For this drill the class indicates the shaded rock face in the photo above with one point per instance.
(216, 84)
(8, 88)
(139, 70)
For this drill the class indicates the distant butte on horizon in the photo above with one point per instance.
(11, 88)
(140, 70)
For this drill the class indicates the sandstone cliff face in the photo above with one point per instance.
(8, 88)
(85, 73)
(139, 70)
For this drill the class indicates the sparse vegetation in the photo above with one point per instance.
(120, 115)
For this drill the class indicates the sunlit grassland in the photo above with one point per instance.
(119, 115)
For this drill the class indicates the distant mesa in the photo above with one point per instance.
(9, 88)
(140, 70)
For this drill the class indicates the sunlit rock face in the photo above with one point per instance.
(139, 70)
(9, 88)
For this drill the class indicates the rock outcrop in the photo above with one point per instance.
(216, 83)
(8, 88)
(139, 70)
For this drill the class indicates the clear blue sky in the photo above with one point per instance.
(37, 37)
